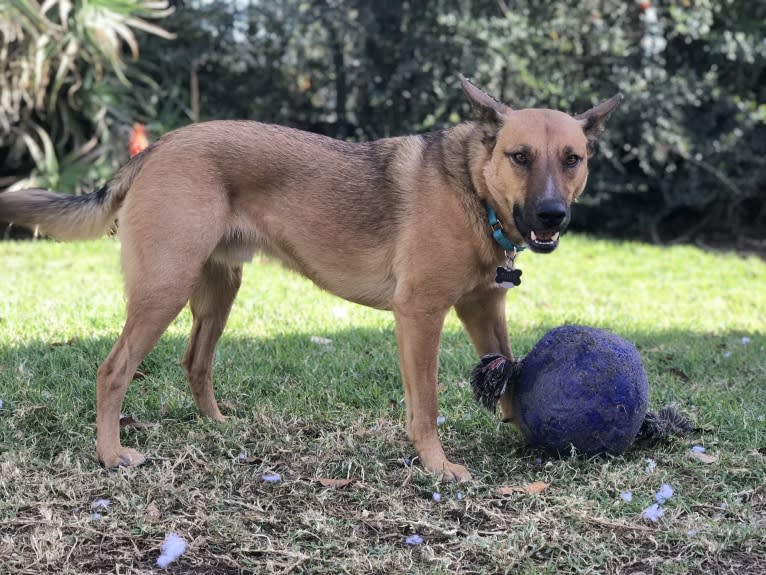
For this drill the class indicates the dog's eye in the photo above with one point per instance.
(572, 160)
(519, 158)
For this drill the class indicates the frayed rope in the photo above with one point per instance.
(491, 377)
(666, 422)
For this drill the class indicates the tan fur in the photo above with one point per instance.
(67, 217)
(397, 224)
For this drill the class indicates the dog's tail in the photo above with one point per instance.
(68, 217)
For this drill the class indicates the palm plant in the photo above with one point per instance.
(54, 59)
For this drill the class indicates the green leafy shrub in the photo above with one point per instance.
(684, 157)
(61, 64)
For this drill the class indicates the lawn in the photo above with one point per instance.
(313, 390)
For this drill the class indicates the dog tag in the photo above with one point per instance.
(508, 278)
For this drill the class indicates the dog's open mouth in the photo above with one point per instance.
(538, 237)
(543, 241)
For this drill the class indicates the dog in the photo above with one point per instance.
(415, 224)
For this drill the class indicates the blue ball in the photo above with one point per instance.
(581, 387)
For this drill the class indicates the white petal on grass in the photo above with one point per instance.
(626, 496)
(440, 420)
(651, 465)
(1, 404)
(340, 312)
(271, 477)
(665, 493)
(460, 495)
(698, 449)
(436, 496)
(414, 540)
(95, 516)
(653, 513)
(101, 504)
(745, 340)
(173, 547)
(320, 340)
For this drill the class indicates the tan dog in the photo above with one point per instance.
(398, 224)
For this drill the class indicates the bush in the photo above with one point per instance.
(62, 66)
(683, 156)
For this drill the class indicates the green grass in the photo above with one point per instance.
(309, 411)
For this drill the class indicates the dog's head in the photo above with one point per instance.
(537, 164)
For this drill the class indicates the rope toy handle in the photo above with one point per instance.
(666, 422)
(492, 376)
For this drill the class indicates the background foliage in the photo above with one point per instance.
(682, 159)
(64, 74)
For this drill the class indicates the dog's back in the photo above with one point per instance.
(330, 209)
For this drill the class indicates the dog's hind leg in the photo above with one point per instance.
(210, 305)
(147, 320)
(164, 252)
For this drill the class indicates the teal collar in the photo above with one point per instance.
(497, 231)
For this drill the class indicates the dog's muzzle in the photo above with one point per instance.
(542, 226)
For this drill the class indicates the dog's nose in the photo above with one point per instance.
(551, 213)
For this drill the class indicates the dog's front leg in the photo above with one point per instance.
(418, 332)
(483, 315)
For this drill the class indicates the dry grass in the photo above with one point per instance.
(235, 522)
(312, 412)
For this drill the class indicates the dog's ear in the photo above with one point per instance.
(593, 120)
(490, 111)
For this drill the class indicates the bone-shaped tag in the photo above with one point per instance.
(508, 278)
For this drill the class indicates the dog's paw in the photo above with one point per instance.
(449, 472)
(122, 456)
(452, 472)
(437, 463)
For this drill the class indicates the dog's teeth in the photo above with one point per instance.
(546, 240)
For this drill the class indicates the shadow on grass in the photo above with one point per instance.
(48, 387)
